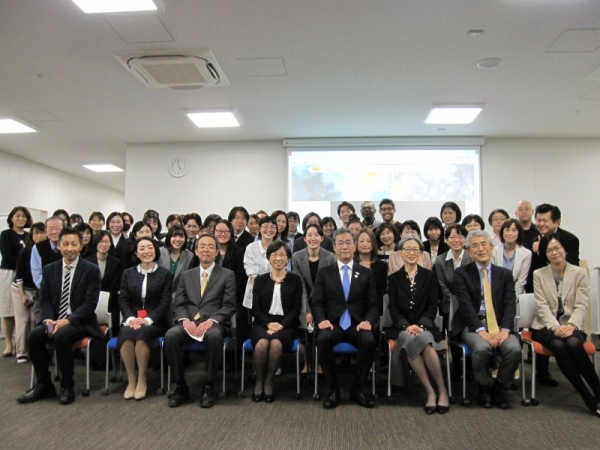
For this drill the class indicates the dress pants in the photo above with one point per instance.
(481, 353)
(24, 319)
(63, 341)
(175, 339)
(363, 340)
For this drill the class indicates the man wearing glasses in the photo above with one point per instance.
(344, 307)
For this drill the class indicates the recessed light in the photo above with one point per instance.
(213, 118)
(488, 63)
(102, 168)
(12, 126)
(453, 114)
(474, 32)
(112, 6)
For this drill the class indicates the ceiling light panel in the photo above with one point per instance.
(113, 6)
(213, 118)
(102, 168)
(8, 126)
(453, 114)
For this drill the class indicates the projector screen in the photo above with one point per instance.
(418, 180)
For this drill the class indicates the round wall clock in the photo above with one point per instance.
(178, 167)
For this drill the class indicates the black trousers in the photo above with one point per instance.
(363, 340)
(175, 339)
(63, 341)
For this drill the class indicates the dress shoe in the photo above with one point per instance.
(361, 399)
(498, 396)
(129, 393)
(430, 410)
(257, 397)
(140, 390)
(442, 409)
(180, 396)
(594, 408)
(546, 379)
(209, 398)
(67, 395)
(332, 399)
(269, 398)
(38, 392)
(485, 398)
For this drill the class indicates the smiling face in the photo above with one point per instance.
(313, 239)
(364, 244)
(448, 216)
(177, 241)
(69, 247)
(345, 214)
(411, 252)
(19, 220)
(281, 220)
(456, 241)
(510, 234)
(278, 259)
(498, 220)
(328, 229)
(206, 251)
(545, 224)
(386, 237)
(268, 230)
(253, 226)
(222, 234)
(408, 231)
(96, 223)
(116, 225)
(103, 246)
(344, 247)
(480, 249)
(387, 212)
(191, 228)
(555, 253)
(38, 236)
(144, 250)
(53, 228)
(434, 233)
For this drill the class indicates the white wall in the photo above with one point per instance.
(23, 182)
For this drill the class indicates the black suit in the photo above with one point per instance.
(117, 250)
(244, 240)
(84, 294)
(328, 303)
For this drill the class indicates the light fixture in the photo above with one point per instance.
(213, 118)
(474, 32)
(12, 126)
(453, 114)
(113, 6)
(102, 167)
(488, 63)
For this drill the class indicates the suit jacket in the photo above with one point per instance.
(467, 284)
(425, 305)
(185, 263)
(234, 261)
(158, 294)
(572, 244)
(291, 300)
(445, 275)
(117, 250)
(575, 298)
(244, 240)
(520, 268)
(111, 279)
(301, 267)
(217, 303)
(328, 302)
(85, 291)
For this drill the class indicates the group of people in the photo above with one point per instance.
(187, 285)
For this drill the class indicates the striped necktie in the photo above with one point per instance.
(64, 298)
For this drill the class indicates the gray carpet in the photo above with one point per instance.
(560, 421)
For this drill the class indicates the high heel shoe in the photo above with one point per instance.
(257, 397)
(430, 410)
(140, 391)
(269, 398)
(595, 409)
(129, 393)
(442, 409)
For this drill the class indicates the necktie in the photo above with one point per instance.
(55, 249)
(64, 298)
(203, 283)
(345, 319)
(490, 315)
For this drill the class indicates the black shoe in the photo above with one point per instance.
(257, 397)
(546, 379)
(485, 398)
(498, 396)
(430, 410)
(269, 398)
(594, 408)
(180, 396)
(332, 399)
(209, 398)
(356, 395)
(442, 409)
(67, 395)
(38, 392)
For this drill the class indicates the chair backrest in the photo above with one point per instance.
(526, 311)
(587, 324)
(386, 319)
(102, 313)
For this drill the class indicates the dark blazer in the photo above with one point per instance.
(380, 269)
(467, 284)
(158, 294)
(217, 303)
(111, 279)
(117, 250)
(234, 261)
(244, 240)
(442, 247)
(291, 300)
(300, 266)
(445, 275)
(328, 301)
(85, 291)
(426, 302)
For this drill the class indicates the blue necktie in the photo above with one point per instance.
(345, 319)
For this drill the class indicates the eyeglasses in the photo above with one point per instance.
(480, 245)
(456, 237)
(268, 227)
(388, 208)
(221, 231)
(344, 243)
(278, 256)
(411, 250)
(553, 249)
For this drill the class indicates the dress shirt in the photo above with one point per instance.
(455, 261)
(73, 266)
(509, 263)
(144, 272)
(208, 271)
(276, 307)
(482, 304)
(36, 264)
(350, 265)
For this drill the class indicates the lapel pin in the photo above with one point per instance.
(355, 274)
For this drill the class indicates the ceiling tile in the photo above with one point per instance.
(576, 41)
(140, 29)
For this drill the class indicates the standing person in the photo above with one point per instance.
(253, 227)
(173, 219)
(366, 256)
(238, 216)
(345, 309)
(68, 298)
(314, 218)
(344, 210)
(293, 230)
(255, 258)
(387, 210)
(75, 219)
(144, 300)
(210, 222)
(115, 223)
(282, 227)
(152, 218)
(63, 215)
(329, 226)
(11, 243)
(524, 214)
(367, 211)
(354, 224)
(24, 292)
(96, 221)
(512, 255)
(450, 214)
(386, 234)
(86, 234)
(473, 222)
(47, 251)
(496, 219)
(408, 228)
(434, 232)
(127, 223)
(174, 256)
(191, 224)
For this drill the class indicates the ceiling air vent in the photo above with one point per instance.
(175, 69)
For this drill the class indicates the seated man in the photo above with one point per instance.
(204, 304)
(485, 318)
(344, 306)
(69, 293)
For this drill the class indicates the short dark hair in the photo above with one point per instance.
(51, 218)
(557, 236)
(152, 214)
(266, 219)
(495, 211)
(390, 227)
(37, 226)
(131, 220)
(175, 230)
(412, 225)
(61, 212)
(192, 216)
(276, 245)
(328, 219)
(237, 209)
(154, 244)
(229, 226)
(387, 201)
(211, 218)
(138, 226)
(261, 211)
(208, 236)
(353, 218)
(474, 218)
(460, 229)
(171, 218)
(548, 208)
(69, 231)
(15, 210)
(432, 223)
(454, 207)
(308, 216)
(77, 217)
(341, 231)
(294, 215)
(83, 227)
(316, 227)
(98, 237)
(349, 205)
(520, 231)
(251, 216)
(97, 214)
(111, 216)
(374, 248)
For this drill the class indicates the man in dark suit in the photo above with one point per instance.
(69, 294)
(238, 216)
(344, 307)
(485, 318)
(205, 301)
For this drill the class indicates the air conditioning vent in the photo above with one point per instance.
(175, 69)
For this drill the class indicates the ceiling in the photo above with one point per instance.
(351, 68)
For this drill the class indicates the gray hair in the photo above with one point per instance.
(339, 231)
(478, 233)
(405, 239)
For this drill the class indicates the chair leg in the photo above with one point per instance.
(86, 392)
(32, 377)
(448, 375)
(105, 390)
(241, 393)
(524, 400)
(298, 396)
(161, 391)
(534, 401)
(222, 393)
(316, 365)
(390, 398)
(465, 401)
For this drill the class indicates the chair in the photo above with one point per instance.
(104, 320)
(528, 310)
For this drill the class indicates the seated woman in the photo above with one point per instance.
(496, 219)
(562, 294)
(434, 232)
(387, 235)
(473, 222)
(276, 307)
(144, 300)
(408, 228)
(511, 254)
(413, 295)
(366, 256)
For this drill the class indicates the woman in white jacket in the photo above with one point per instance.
(511, 254)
